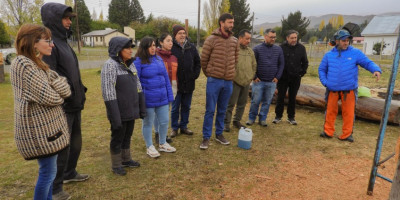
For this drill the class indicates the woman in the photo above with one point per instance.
(158, 94)
(122, 94)
(171, 64)
(41, 129)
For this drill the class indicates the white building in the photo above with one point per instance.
(382, 28)
(103, 37)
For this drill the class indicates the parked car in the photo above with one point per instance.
(8, 55)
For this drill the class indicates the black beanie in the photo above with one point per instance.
(176, 29)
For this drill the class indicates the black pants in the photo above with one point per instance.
(121, 138)
(285, 83)
(68, 158)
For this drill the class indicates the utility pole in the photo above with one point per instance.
(198, 27)
(77, 27)
(252, 25)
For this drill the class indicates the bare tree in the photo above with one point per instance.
(19, 12)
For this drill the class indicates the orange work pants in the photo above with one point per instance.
(348, 99)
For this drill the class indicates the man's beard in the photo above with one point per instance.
(228, 31)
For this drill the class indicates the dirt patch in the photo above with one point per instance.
(312, 176)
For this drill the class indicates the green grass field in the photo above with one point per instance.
(285, 162)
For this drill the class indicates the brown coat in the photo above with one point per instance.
(219, 56)
(41, 126)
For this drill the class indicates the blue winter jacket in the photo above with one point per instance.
(270, 62)
(340, 73)
(155, 82)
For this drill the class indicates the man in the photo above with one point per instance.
(57, 17)
(218, 59)
(296, 64)
(188, 72)
(245, 70)
(338, 72)
(270, 63)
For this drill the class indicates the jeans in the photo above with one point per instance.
(238, 98)
(162, 114)
(285, 83)
(47, 173)
(67, 159)
(121, 138)
(218, 92)
(261, 92)
(181, 105)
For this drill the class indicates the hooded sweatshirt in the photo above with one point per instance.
(63, 59)
(120, 85)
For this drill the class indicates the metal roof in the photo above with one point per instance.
(383, 25)
(100, 32)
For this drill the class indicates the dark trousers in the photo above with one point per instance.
(181, 106)
(68, 158)
(285, 83)
(121, 138)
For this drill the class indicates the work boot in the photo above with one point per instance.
(116, 164)
(186, 131)
(63, 195)
(324, 135)
(174, 133)
(221, 139)
(238, 125)
(127, 159)
(227, 128)
(348, 139)
(205, 143)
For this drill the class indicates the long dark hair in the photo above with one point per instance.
(27, 36)
(143, 52)
(161, 39)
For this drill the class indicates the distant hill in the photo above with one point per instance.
(316, 20)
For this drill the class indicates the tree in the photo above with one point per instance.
(101, 16)
(340, 21)
(379, 47)
(94, 15)
(137, 12)
(224, 7)
(295, 22)
(101, 25)
(118, 12)
(149, 18)
(83, 18)
(241, 11)
(4, 37)
(211, 15)
(69, 3)
(321, 25)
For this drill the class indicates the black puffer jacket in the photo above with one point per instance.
(120, 85)
(188, 66)
(296, 62)
(63, 59)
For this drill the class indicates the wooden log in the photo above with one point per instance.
(366, 107)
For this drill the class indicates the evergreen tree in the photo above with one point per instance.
(4, 37)
(295, 22)
(149, 18)
(137, 12)
(84, 19)
(119, 12)
(241, 12)
(101, 16)
(94, 14)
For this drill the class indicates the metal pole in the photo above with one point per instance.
(77, 27)
(384, 121)
(198, 27)
(252, 25)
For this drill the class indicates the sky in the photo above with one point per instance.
(264, 10)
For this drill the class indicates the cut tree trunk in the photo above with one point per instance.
(366, 107)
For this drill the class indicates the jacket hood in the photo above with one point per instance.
(52, 14)
(115, 45)
(164, 52)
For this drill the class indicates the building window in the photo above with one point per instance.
(96, 39)
(101, 39)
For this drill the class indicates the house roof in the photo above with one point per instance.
(383, 25)
(101, 32)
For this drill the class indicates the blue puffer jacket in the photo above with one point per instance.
(341, 73)
(155, 82)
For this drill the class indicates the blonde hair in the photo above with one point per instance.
(27, 36)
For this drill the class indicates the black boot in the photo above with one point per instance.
(127, 159)
(116, 166)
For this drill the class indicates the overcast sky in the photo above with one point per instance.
(265, 10)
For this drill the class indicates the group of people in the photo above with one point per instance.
(158, 82)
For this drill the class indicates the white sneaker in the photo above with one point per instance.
(152, 152)
(166, 148)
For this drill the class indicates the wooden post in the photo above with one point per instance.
(2, 79)
(395, 190)
(187, 27)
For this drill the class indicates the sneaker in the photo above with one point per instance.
(119, 171)
(263, 123)
(156, 138)
(292, 121)
(250, 122)
(63, 195)
(77, 178)
(324, 135)
(152, 152)
(277, 120)
(204, 144)
(174, 133)
(186, 131)
(227, 129)
(221, 139)
(238, 125)
(166, 148)
(130, 163)
(348, 139)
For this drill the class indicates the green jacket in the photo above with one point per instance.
(246, 66)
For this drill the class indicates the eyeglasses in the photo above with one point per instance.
(48, 41)
(273, 38)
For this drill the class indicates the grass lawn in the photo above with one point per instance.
(285, 162)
